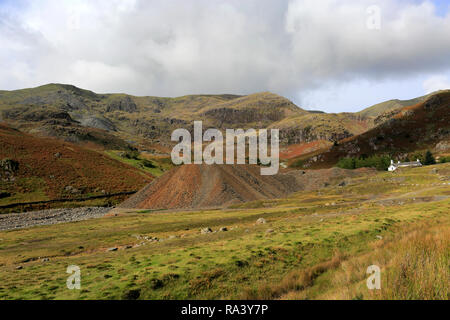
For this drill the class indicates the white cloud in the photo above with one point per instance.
(180, 47)
(436, 83)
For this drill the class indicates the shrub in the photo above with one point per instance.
(131, 155)
(444, 159)
(148, 164)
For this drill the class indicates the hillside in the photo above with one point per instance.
(311, 127)
(39, 169)
(387, 106)
(418, 127)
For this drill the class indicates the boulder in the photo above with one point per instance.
(9, 165)
(261, 221)
(206, 230)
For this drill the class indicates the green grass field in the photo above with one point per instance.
(161, 165)
(314, 245)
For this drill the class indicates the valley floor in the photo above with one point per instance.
(313, 245)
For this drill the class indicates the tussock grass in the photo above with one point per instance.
(296, 280)
(420, 267)
(415, 266)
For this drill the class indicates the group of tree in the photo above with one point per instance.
(378, 162)
(426, 158)
(383, 162)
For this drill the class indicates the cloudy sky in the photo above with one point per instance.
(333, 55)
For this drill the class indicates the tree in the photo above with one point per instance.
(429, 159)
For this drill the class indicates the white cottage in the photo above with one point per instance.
(395, 166)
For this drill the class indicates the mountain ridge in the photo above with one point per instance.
(51, 108)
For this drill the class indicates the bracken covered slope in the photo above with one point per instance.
(37, 169)
(423, 126)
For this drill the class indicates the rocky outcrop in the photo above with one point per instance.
(237, 116)
(8, 168)
(309, 134)
(99, 123)
(125, 104)
(442, 146)
(65, 100)
(36, 115)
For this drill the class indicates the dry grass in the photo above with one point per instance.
(420, 267)
(296, 280)
(415, 265)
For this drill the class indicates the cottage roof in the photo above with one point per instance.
(412, 163)
(407, 163)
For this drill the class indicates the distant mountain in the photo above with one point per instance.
(387, 106)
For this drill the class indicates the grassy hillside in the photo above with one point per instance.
(39, 169)
(386, 106)
(154, 165)
(314, 244)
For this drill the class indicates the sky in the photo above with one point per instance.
(330, 55)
